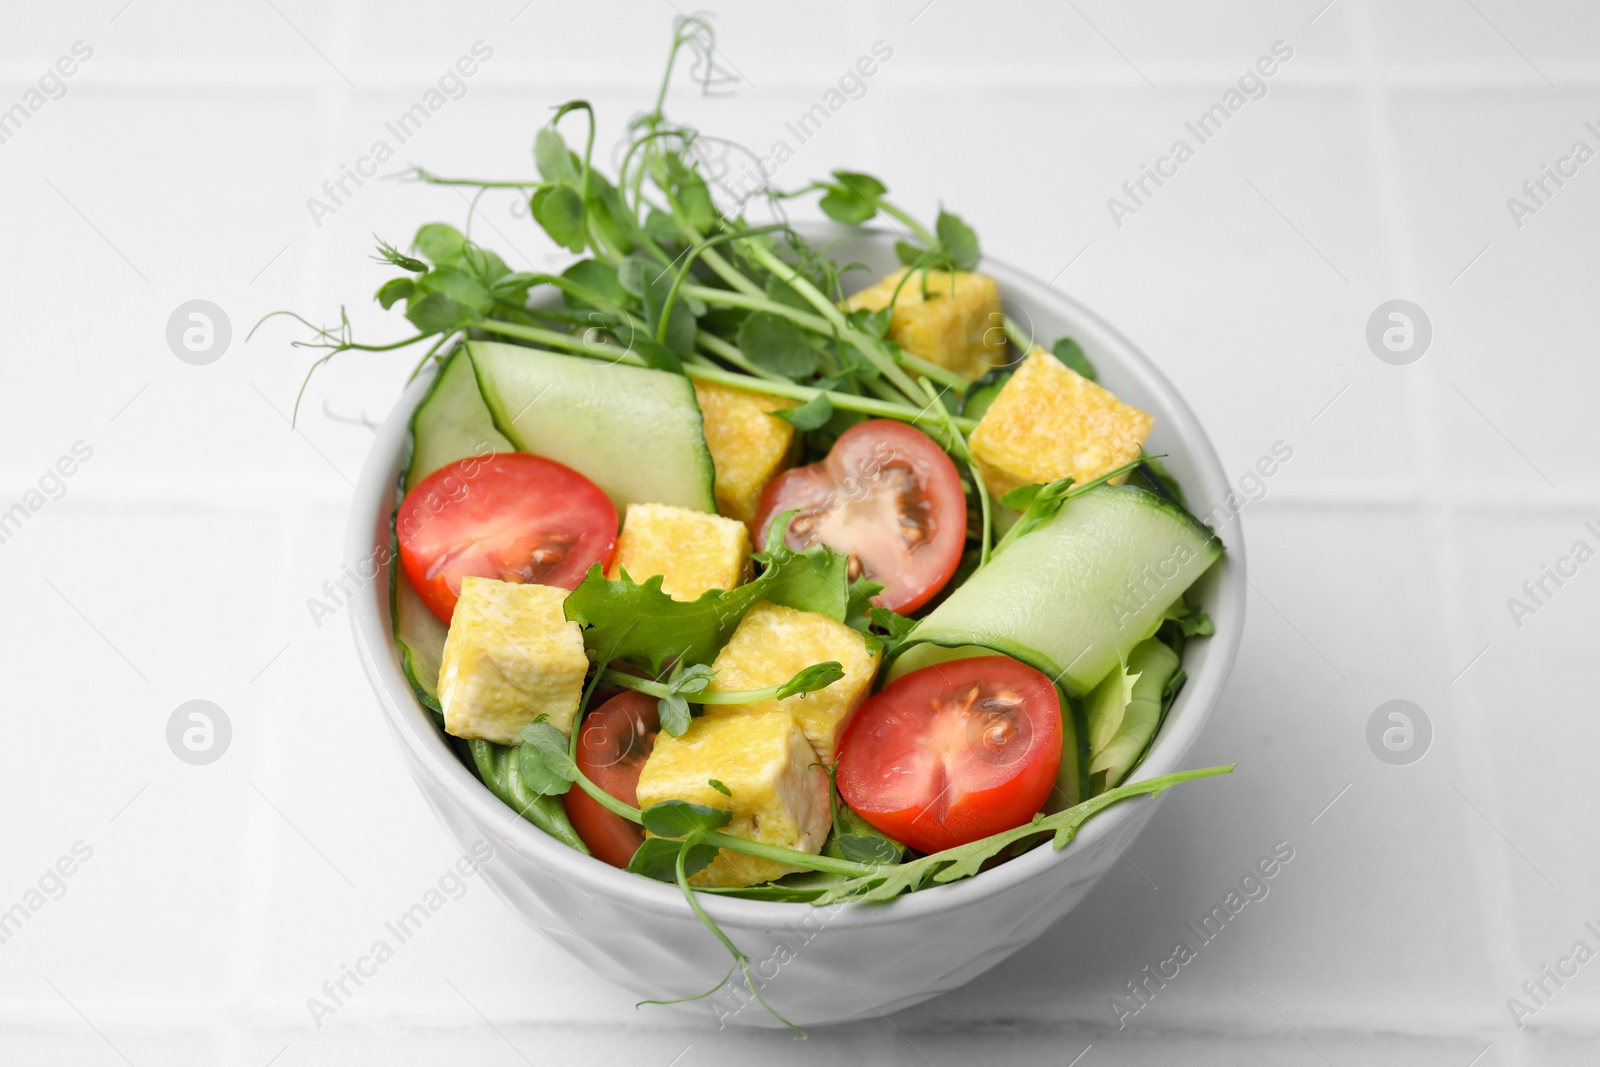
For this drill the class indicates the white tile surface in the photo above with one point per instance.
(1419, 498)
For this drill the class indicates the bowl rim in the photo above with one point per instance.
(375, 497)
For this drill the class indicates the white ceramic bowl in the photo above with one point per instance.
(817, 966)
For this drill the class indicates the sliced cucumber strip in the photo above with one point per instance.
(450, 423)
(636, 433)
(1074, 596)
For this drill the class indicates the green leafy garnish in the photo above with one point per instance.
(543, 761)
(1070, 353)
(964, 861)
(812, 415)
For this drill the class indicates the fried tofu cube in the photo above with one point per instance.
(510, 656)
(765, 761)
(771, 645)
(748, 446)
(1050, 422)
(952, 318)
(692, 551)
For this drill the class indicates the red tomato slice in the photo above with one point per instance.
(615, 741)
(886, 496)
(505, 515)
(953, 752)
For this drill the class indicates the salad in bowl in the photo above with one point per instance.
(731, 562)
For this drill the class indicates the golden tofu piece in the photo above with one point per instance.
(771, 645)
(765, 761)
(1051, 422)
(691, 550)
(952, 318)
(510, 656)
(748, 446)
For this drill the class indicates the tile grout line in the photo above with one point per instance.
(1439, 518)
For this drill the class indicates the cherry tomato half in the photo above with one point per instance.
(505, 515)
(953, 752)
(615, 741)
(886, 496)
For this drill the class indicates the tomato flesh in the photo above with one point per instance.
(887, 497)
(504, 515)
(613, 744)
(953, 752)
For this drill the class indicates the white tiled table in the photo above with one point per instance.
(178, 562)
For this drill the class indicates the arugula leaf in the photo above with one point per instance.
(778, 345)
(898, 628)
(1070, 353)
(658, 858)
(647, 626)
(679, 818)
(858, 611)
(812, 415)
(543, 761)
(964, 861)
(957, 241)
(1038, 504)
(816, 579)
